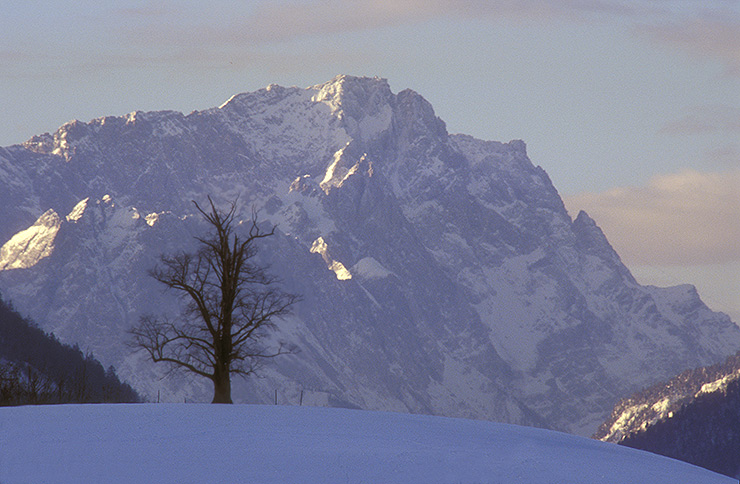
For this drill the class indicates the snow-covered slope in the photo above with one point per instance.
(273, 444)
(26, 248)
(694, 417)
(660, 401)
(440, 274)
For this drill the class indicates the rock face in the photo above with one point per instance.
(440, 274)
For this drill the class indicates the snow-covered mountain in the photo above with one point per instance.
(440, 274)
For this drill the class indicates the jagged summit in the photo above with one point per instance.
(591, 240)
(440, 273)
(357, 96)
(362, 95)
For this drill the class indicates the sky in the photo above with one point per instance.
(632, 107)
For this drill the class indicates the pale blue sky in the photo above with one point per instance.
(621, 102)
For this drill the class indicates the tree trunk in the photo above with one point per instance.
(222, 387)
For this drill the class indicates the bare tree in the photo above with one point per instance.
(230, 303)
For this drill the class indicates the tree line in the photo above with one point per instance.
(36, 368)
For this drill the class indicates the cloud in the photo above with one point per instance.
(148, 11)
(702, 29)
(678, 219)
(197, 34)
(726, 156)
(547, 9)
(288, 20)
(712, 36)
(208, 31)
(280, 21)
(292, 19)
(193, 34)
(706, 119)
(8, 55)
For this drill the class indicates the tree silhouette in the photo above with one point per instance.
(229, 305)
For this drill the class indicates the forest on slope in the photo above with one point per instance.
(693, 417)
(35, 368)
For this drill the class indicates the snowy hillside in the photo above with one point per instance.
(662, 400)
(440, 274)
(694, 417)
(198, 444)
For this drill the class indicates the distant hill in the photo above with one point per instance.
(36, 368)
(694, 417)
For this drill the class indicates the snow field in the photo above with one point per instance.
(179, 443)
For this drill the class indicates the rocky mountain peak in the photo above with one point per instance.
(363, 105)
(589, 236)
(416, 116)
(591, 239)
(356, 96)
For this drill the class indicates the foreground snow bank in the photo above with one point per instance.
(273, 444)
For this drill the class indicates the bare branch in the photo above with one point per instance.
(230, 303)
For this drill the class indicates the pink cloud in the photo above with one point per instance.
(709, 37)
(215, 34)
(727, 156)
(678, 219)
(196, 35)
(288, 20)
(706, 119)
(147, 11)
